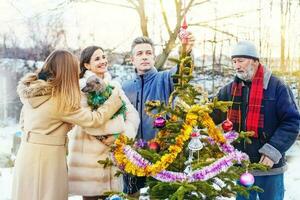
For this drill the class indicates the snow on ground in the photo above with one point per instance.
(292, 176)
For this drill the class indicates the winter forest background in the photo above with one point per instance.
(31, 29)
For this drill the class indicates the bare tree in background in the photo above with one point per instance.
(3, 44)
(282, 35)
(139, 7)
(181, 11)
(45, 37)
(182, 7)
(10, 44)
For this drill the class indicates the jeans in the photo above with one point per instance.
(133, 184)
(273, 187)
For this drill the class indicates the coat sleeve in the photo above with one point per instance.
(288, 129)
(84, 117)
(112, 126)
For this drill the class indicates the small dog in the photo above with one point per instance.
(94, 84)
(97, 92)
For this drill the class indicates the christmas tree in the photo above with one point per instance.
(191, 157)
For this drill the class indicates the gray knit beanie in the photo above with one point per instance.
(244, 49)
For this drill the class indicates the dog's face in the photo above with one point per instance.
(94, 84)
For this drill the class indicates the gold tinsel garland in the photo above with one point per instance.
(195, 115)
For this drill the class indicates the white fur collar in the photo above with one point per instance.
(82, 82)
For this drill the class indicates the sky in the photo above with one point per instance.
(110, 25)
(114, 27)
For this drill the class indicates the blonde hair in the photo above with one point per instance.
(62, 68)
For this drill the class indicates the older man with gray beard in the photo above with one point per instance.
(264, 104)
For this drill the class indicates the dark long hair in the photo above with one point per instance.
(85, 57)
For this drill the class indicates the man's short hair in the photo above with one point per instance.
(141, 40)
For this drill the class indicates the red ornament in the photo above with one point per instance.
(227, 125)
(183, 33)
(184, 24)
(153, 146)
(195, 134)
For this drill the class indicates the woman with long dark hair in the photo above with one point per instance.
(86, 176)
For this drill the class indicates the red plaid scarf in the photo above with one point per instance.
(254, 118)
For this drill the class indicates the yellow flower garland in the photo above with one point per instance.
(160, 165)
(196, 114)
(200, 113)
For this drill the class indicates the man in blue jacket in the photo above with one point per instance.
(149, 84)
(264, 104)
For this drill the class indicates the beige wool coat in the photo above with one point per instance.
(86, 176)
(40, 171)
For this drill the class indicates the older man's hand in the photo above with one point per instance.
(265, 160)
(190, 42)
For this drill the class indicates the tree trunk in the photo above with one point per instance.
(282, 37)
(143, 18)
(162, 58)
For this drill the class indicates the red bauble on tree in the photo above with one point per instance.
(227, 125)
(153, 146)
(183, 33)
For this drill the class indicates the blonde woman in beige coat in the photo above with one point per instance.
(51, 104)
(87, 177)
